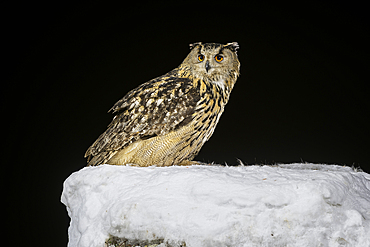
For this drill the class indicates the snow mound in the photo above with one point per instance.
(283, 205)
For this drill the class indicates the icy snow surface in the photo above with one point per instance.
(284, 205)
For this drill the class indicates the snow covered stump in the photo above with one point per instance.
(283, 205)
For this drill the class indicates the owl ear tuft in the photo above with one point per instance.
(194, 45)
(233, 46)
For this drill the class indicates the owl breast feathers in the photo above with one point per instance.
(167, 120)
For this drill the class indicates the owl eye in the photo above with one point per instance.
(219, 58)
(200, 58)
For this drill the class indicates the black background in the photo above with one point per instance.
(302, 95)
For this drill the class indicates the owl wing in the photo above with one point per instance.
(152, 109)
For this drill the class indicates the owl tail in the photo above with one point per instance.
(101, 158)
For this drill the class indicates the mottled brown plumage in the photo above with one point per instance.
(166, 121)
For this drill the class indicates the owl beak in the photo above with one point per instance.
(207, 66)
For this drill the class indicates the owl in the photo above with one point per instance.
(167, 120)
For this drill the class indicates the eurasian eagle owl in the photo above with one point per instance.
(167, 120)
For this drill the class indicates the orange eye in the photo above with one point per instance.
(219, 58)
(200, 58)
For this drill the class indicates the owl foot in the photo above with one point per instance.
(189, 163)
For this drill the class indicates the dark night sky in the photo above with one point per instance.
(302, 94)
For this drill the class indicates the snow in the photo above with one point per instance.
(282, 205)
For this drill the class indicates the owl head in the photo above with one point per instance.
(213, 62)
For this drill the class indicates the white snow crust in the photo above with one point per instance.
(283, 205)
